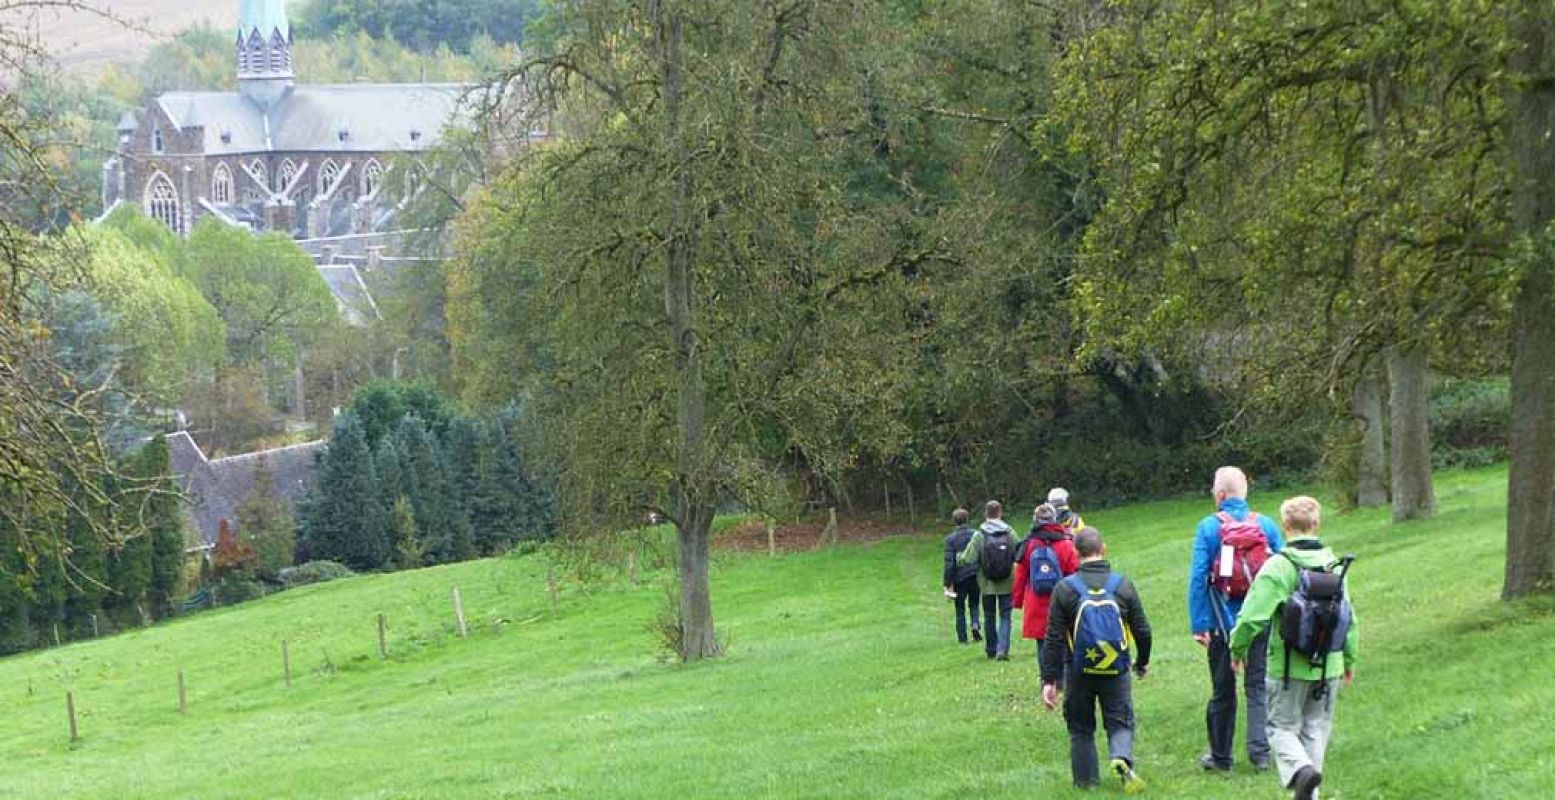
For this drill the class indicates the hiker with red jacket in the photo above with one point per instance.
(1047, 557)
(1229, 548)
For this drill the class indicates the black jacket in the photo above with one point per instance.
(1066, 603)
(954, 544)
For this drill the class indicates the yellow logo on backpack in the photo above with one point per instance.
(1100, 640)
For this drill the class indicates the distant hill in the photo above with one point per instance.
(85, 42)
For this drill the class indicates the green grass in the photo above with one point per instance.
(843, 681)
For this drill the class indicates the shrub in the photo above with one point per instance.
(1471, 415)
(314, 572)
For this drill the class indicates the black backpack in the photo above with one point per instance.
(997, 559)
(1316, 619)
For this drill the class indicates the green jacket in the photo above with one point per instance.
(1275, 583)
(974, 549)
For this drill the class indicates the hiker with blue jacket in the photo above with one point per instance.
(992, 548)
(1229, 548)
(1300, 597)
(1097, 634)
(960, 580)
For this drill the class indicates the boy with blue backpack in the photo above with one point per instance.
(1097, 632)
(1300, 597)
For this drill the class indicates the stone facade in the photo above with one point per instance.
(310, 161)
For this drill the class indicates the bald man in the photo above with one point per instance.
(1213, 615)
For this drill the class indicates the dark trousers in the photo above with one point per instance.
(1115, 696)
(967, 599)
(996, 623)
(1220, 716)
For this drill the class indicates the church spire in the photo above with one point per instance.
(264, 50)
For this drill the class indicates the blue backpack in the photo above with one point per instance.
(1044, 568)
(1100, 641)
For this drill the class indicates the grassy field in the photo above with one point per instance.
(843, 681)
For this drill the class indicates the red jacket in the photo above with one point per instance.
(1034, 608)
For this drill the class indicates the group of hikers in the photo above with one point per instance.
(1255, 598)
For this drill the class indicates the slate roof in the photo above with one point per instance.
(216, 488)
(351, 295)
(375, 117)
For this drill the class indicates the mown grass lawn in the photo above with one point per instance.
(843, 681)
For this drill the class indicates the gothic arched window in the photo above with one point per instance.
(259, 173)
(162, 202)
(372, 177)
(328, 173)
(288, 171)
(221, 184)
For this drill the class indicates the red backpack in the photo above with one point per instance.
(1243, 549)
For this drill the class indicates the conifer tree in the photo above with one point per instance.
(165, 526)
(445, 530)
(343, 522)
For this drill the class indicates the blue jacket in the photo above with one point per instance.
(1202, 608)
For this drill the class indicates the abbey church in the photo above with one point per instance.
(310, 161)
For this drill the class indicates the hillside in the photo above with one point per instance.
(843, 681)
(83, 42)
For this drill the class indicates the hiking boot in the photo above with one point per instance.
(1131, 782)
(1003, 656)
(1208, 763)
(1260, 765)
(1304, 785)
(977, 634)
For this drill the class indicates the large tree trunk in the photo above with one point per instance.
(1530, 535)
(696, 500)
(1409, 395)
(1371, 485)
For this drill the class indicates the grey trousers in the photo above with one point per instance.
(1116, 697)
(1300, 722)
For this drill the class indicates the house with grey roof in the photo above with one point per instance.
(309, 160)
(215, 488)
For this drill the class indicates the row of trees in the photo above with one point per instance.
(125, 546)
(408, 482)
(426, 25)
(980, 245)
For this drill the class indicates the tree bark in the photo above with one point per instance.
(1371, 486)
(696, 498)
(1409, 395)
(1530, 536)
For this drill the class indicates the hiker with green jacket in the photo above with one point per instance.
(1312, 644)
(992, 549)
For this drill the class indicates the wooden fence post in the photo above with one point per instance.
(886, 488)
(383, 640)
(286, 663)
(56, 634)
(459, 614)
(631, 568)
(829, 535)
(183, 698)
(70, 708)
(95, 633)
(912, 506)
(550, 585)
(771, 538)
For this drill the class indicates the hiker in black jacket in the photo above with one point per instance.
(1099, 672)
(961, 581)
